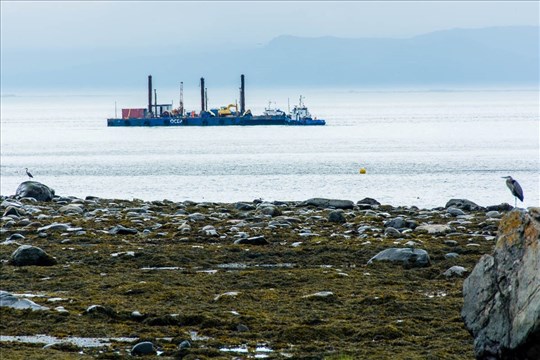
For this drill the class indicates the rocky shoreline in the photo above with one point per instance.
(318, 279)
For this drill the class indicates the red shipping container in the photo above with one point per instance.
(133, 113)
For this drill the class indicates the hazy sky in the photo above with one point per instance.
(222, 24)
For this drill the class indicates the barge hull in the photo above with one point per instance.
(210, 121)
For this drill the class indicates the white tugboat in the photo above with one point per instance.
(300, 115)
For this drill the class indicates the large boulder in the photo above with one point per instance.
(502, 295)
(463, 204)
(328, 203)
(26, 255)
(12, 301)
(35, 190)
(407, 256)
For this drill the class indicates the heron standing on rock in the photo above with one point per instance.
(515, 189)
(28, 173)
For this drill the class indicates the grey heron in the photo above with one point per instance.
(28, 173)
(515, 189)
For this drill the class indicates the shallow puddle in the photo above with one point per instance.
(78, 341)
(259, 352)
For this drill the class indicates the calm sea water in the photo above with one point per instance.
(418, 147)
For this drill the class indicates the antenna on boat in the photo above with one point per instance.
(181, 105)
(205, 98)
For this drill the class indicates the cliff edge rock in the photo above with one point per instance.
(502, 295)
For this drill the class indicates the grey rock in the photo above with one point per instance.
(196, 217)
(500, 207)
(15, 236)
(411, 224)
(463, 204)
(337, 216)
(368, 201)
(184, 345)
(451, 255)
(392, 232)
(12, 210)
(455, 211)
(370, 213)
(363, 229)
(406, 256)
(99, 310)
(255, 240)
(209, 230)
(455, 271)
(121, 230)
(396, 223)
(242, 328)
(328, 203)
(12, 301)
(244, 206)
(320, 294)
(184, 228)
(411, 244)
(27, 255)
(71, 209)
(493, 214)
(11, 202)
(137, 315)
(143, 348)
(501, 305)
(54, 226)
(36, 190)
(434, 229)
(270, 210)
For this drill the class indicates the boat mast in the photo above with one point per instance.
(242, 95)
(155, 100)
(149, 95)
(202, 95)
(181, 98)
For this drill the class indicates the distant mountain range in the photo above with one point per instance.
(488, 56)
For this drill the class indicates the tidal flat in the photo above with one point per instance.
(243, 280)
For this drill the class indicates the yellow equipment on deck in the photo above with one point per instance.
(226, 110)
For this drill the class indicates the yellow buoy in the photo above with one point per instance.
(362, 170)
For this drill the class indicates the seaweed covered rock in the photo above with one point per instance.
(502, 295)
(328, 203)
(26, 255)
(36, 190)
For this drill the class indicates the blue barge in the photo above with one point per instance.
(164, 114)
